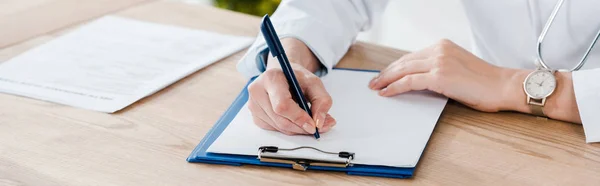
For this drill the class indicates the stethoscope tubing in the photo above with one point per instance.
(542, 36)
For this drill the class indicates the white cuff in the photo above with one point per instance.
(252, 62)
(587, 94)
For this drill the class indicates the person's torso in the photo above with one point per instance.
(505, 32)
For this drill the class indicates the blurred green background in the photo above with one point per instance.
(253, 7)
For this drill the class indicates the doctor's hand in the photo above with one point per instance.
(271, 102)
(448, 69)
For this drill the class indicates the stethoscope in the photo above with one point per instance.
(543, 35)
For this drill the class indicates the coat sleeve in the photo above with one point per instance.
(587, 95)
(327, 27)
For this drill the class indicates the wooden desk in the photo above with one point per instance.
(43, 143)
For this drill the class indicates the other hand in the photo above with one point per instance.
(448, 69)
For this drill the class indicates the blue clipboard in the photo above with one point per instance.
(199, 154)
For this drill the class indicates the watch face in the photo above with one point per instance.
(540, 84)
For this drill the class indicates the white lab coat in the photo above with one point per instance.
(504, 33)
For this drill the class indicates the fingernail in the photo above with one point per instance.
(309, 128)
(383, 91)
(317, 122)
(328, 127)
(374, 81)
(321, 120)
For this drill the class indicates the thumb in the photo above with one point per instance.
(320, 100)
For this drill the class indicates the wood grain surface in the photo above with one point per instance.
(43, 143)
(24, 19)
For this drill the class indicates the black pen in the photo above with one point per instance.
(276, 50)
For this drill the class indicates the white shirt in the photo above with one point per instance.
(504, 32)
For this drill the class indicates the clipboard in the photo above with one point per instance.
(200, 154)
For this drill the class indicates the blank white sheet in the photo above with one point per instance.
(112, 62)
(381, 131)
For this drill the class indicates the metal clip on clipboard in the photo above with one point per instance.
(266, 154)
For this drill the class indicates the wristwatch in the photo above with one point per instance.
(538, 86)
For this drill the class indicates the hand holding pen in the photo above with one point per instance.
(271, 102)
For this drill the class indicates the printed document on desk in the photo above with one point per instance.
(382, 131)
(112, 62)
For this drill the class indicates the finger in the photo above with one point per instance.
(256, 94)
(440, 47)
(418, 55)
(330, 122)
(401, 70)
(282, 124)
(262, 120)
(262, 124)
(407, 83)
(320, 100)
(284, 106)
(260, 114)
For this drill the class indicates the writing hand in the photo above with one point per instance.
(271, 102)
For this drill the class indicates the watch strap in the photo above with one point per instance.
(537, 106)
(537, 110)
